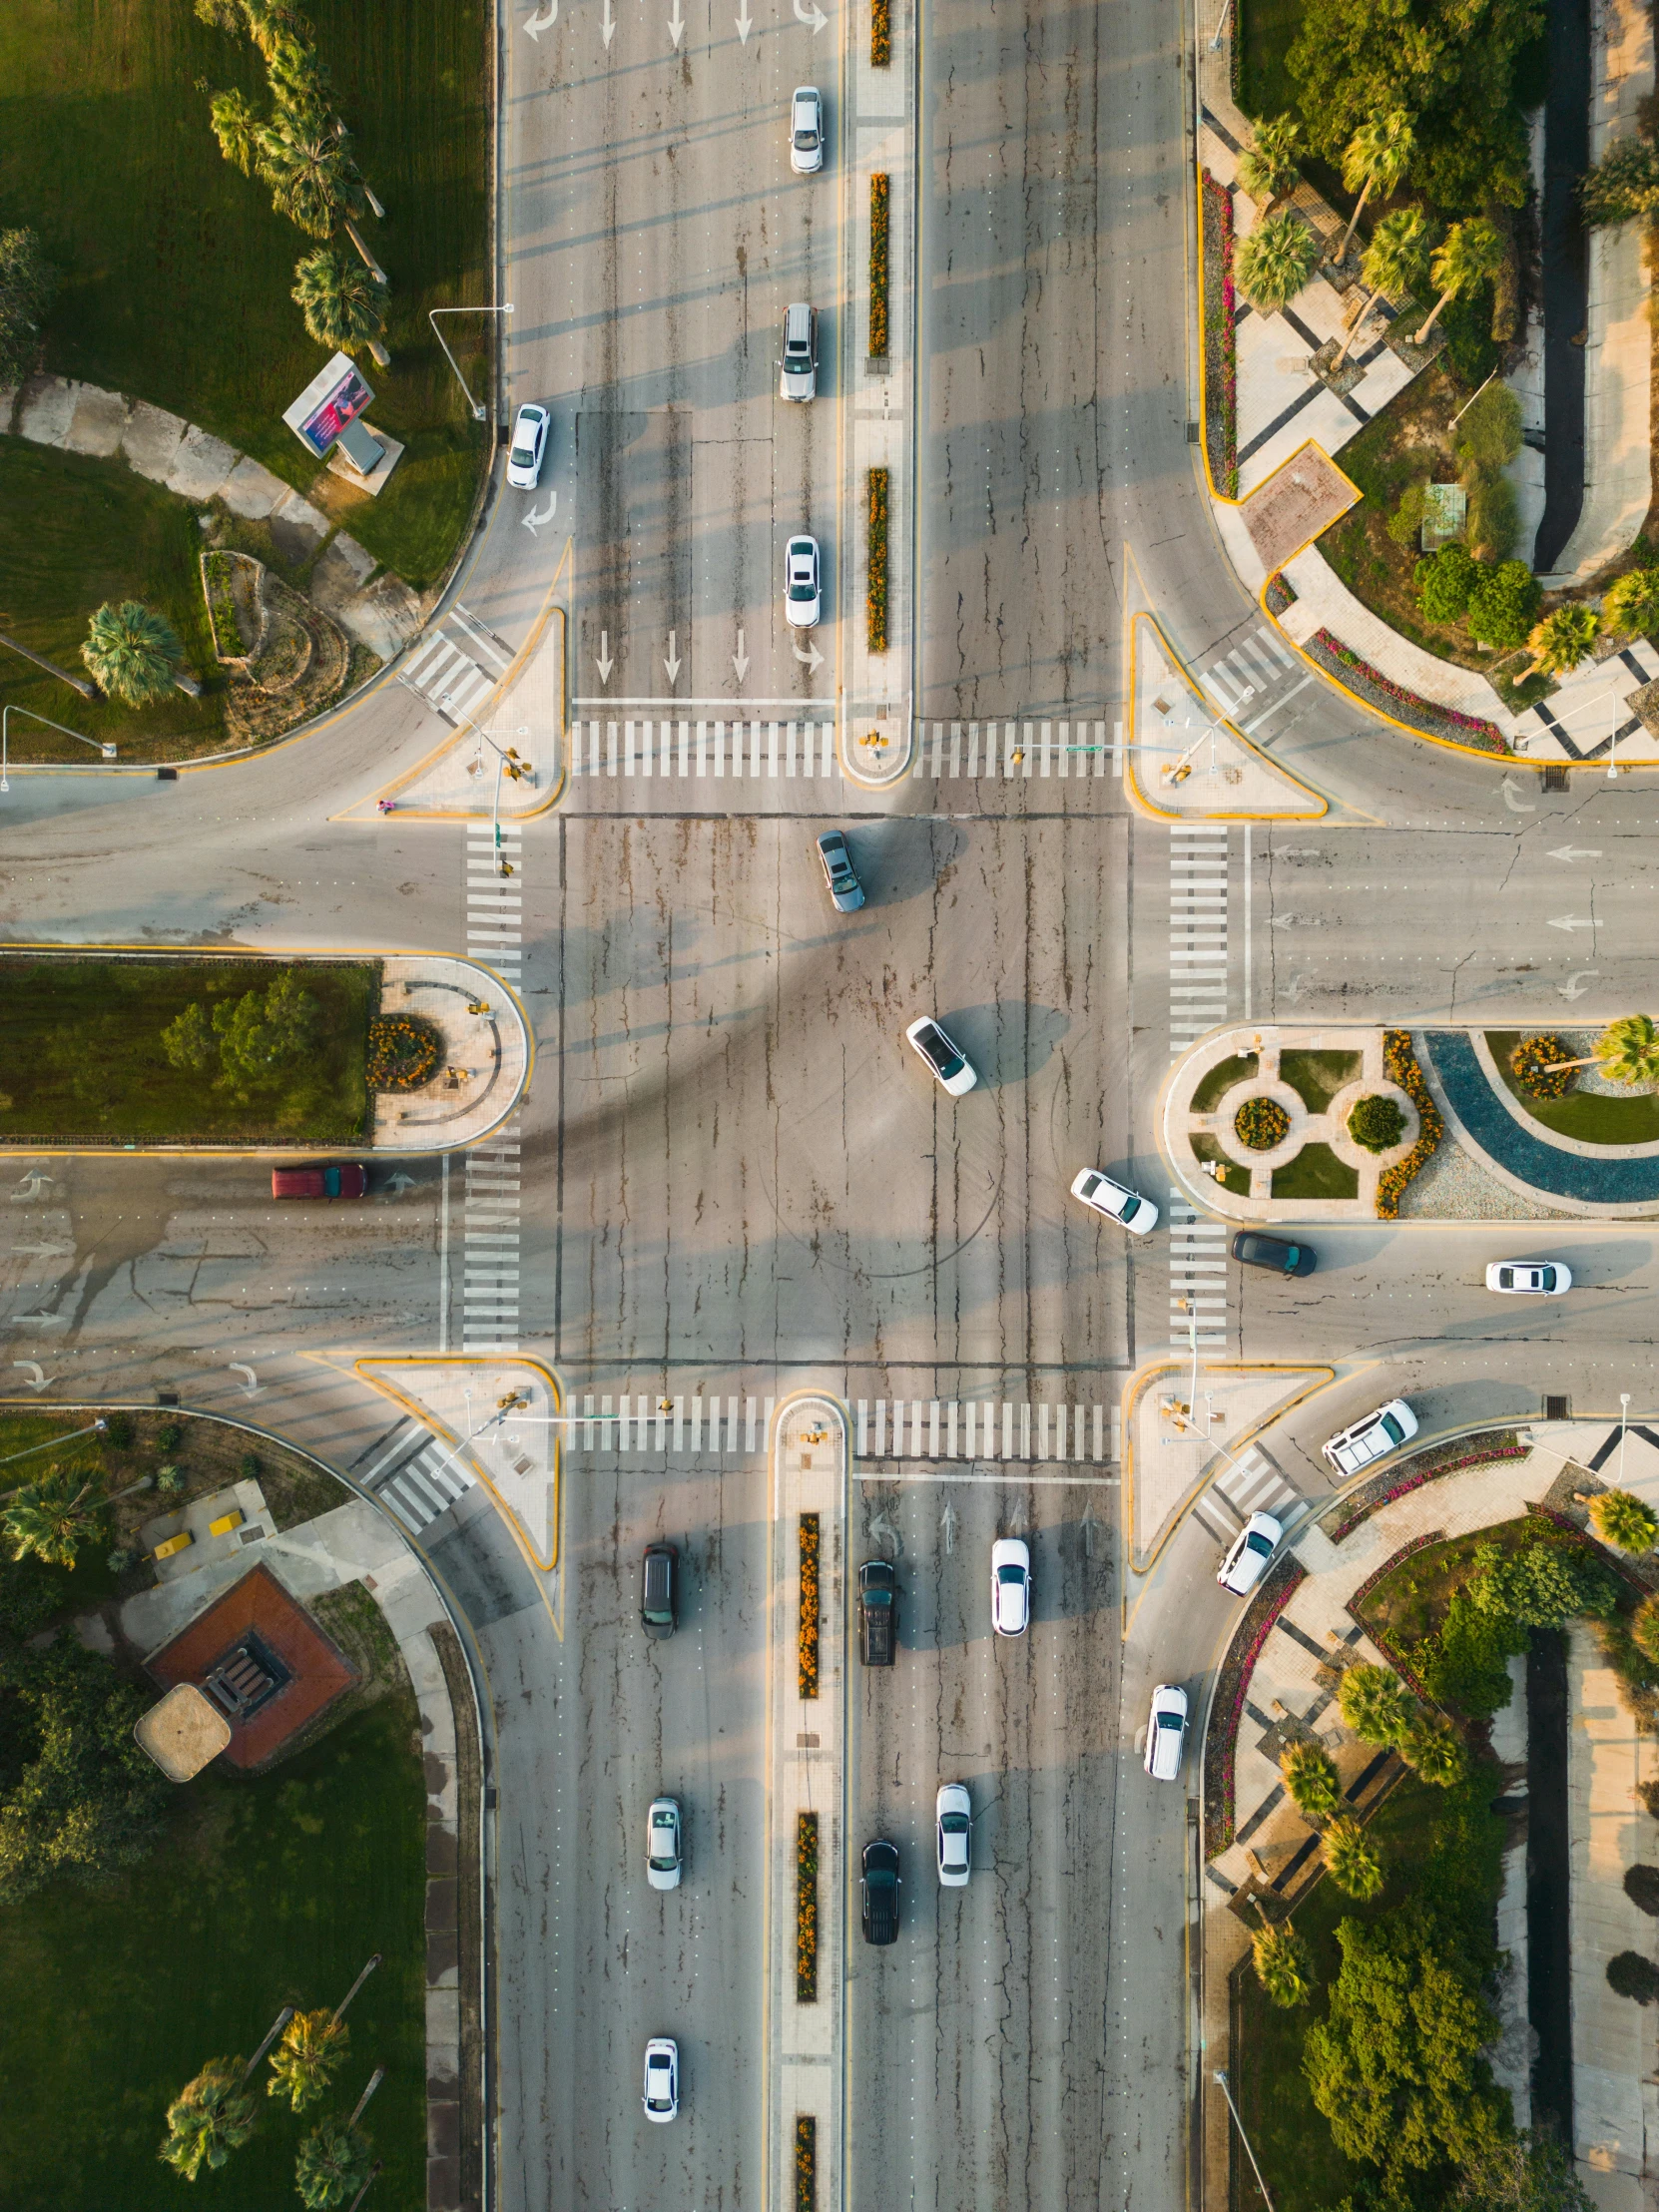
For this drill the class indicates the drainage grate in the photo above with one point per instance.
(1557, 779)
(1557, 1408)
(1191, 433)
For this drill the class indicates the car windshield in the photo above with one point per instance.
(805, 129)
(1259, 1542)
(1546, 1279)
(1170, 1720)
(1008, 1575)
(1393, 1429)
(955, 1824)
(939, 1052)
(1293, 1252)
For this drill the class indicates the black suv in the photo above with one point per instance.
(880, 1885)
(659, 1589)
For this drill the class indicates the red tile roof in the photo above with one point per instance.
(260, 1603)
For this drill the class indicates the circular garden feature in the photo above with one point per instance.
(1260, 1123)
(404, 1052)
(1376, 1123)
(1534, 1063)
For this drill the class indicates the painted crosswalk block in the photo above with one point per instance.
(1197, 1276)
(1257, 670)
(1199, 860)
(718, 750)
(417, 1476)
(1008, 750)
(884, 1429)
(1252, 1486)
(490, 1291)
(454, 675)
(495, 902)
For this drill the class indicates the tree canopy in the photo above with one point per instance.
(1541, 1585)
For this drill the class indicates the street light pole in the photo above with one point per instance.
(1624, 1416)
(1244, 2138)
(478, 408)
(6, 714)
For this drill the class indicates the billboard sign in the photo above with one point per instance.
(332, 399)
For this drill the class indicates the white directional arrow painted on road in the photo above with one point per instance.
(745, 23)
(883, 1531)
(1514, 801)
(34, 1367)
(672, 659)
(811, 658)
(948, 1521)
(739, 659)
(31, 1185)
(543, 20)
(607, 29)
(534, 522)
(1573, 987)
(400, 1182)
(250, 1388)
(808, 11)
(1574, 853)
(1571, 921)
(602, 661)
(43, 1251)
(676, 25)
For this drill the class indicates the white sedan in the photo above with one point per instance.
(953, 1813)
(951, 1069)
(1116, 1201)
(529, 446)
(800, 583)
(662, 2079)
(805, 129)
(1248, 1556)
(1010, 1586)
(662, 1843)
(1529, 1278)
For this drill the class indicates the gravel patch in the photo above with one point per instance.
(1454, 1187)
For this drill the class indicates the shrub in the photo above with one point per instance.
(1623, 183)
(1644, 1629)
(1494, 522)
(1376, 1123)
(249, 1467)
(1489, 435)
(806, 1909)
(1503, 604)
(1311, 1777)
(1534, 1064)
(1260, 1123)
(1641, 1887)
(875, 560)
(1350, 1859)
(27, 283)
(118, 1431)
(1405, 525)
(1632, 1976)
(170, 1435)
(879, 264)
(119, 1560)
(1465, 1665)
(880, 34)
(1434, 1749)
(1632, 603)
(1624, 1521)
(1444, 581)
(1540, 1586)
(1284, 1966)
(1375, 1703)
(169, 1482)
(806, 2162)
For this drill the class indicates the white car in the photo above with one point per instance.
(1010, 1586)
(805, 129)
(953, 1068)
(1166, 1732)
(529, 447)
(1529, 1278)
(800, 583)
(1372, 1438)
(1115, 1201)
(1252, 1548)
(662, 1843)
(662, 2079)
(954, 1812)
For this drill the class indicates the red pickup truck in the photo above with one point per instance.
(349, 1180)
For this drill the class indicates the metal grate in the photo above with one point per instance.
(1557, 1408)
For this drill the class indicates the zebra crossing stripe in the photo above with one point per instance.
(712, 750)
(899, 1429)
(1006, 750)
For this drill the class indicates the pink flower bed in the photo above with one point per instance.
(1426, 715)
(1221, 306)
(1415, 1481)
(1222, 1741)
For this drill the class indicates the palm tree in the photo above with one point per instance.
(1378, 153)
(1284, 1966)
(271, 20)
(1632, 604)
(343, 306)
(1627, 1052)
(1267, 168)
(1471, 255)
(300, 81)
(1644, 1629)
(1561, 640)
(311, 176)
(1433, 1747)
(236, 124)
(1311, 1777)
(334, 2158)
(133, 652)
(51, 1518)
(209, 2118)
(1349, 1859)
(305, 2062)
(1395, 264)
(1624, 1521)
(1273, 263)
(1375, 1703)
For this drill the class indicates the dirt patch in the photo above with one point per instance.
(1295, 505)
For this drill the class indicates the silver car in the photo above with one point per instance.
(662, 1843)
(839, 874)
(1115, 1200)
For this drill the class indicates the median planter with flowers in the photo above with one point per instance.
(806, 2162)
(1260, 1123)
(1536, 1066)
(1399, 1065)
(806, 1645)
(875, 559)
(806, 1909)
(404, 1052)
(879, 266)
(880, 34)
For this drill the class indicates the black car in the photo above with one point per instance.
(844, 886)
(880, 1885)
(878, 1612)
(659, 1589)
(1273, 1253)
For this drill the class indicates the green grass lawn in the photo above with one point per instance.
(1266, 30)
(175, 268)
(1586, 1115)
(267, 1892)
(1316, 1172)
(1316, 1077)
(79, 1052)
(1214, 1087)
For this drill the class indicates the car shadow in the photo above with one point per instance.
(900, 858)
(1008, 1041)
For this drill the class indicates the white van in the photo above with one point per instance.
(798, 378)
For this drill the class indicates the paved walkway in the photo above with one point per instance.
(515, 1450)
(1187, 760)
(485, 1064)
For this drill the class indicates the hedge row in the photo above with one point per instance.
(806, 1909)
(879, 266)
(875, 560)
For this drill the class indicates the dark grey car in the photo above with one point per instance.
(844, 886)
(1272, 1253)
(881, 1886)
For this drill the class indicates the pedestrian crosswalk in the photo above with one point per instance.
(1244, 683)
(490, 1289)
(454, 676)
(1198, 884)
(418, 1478)
(1017, 749)
(1197, 1276)
(718, 750)
(1251, 1484)
(739, 1425)
(495, 902)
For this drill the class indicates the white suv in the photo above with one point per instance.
(1166, 1732)
(1373, 1438)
